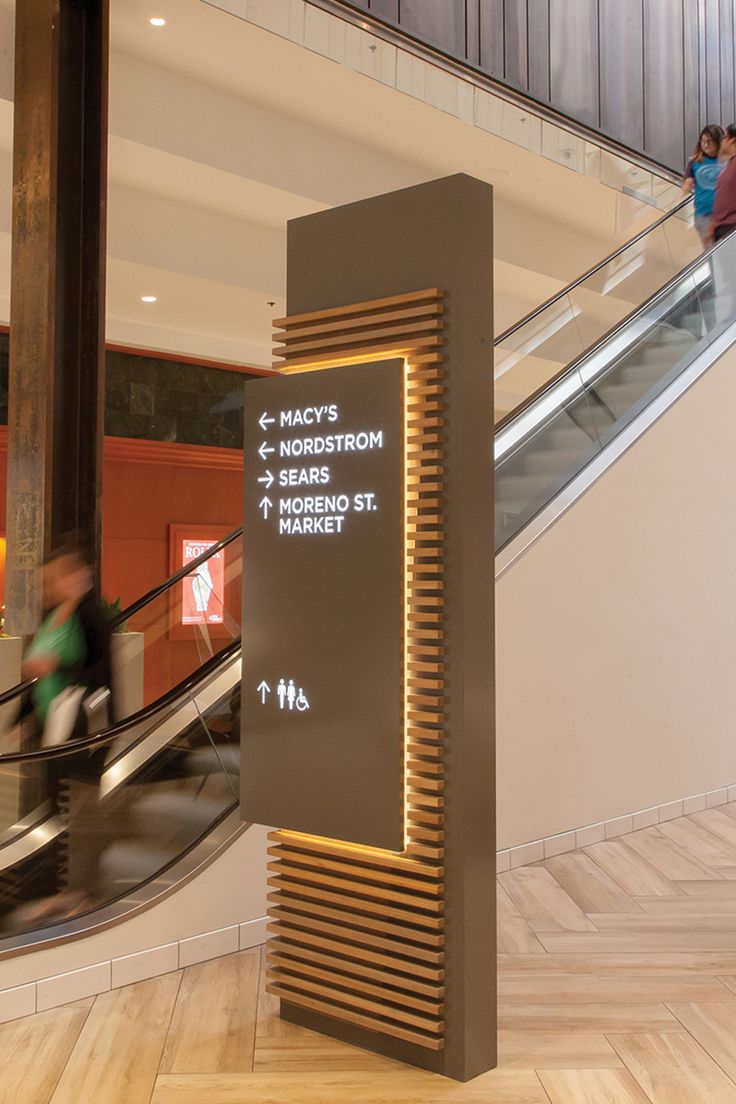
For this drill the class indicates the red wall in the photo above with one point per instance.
(147, 486)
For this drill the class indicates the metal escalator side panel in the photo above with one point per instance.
(181, 715)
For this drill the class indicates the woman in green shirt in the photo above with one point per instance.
(58, 649)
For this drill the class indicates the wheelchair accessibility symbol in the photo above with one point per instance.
(290, 696)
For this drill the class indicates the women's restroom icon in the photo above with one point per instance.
(289, 697)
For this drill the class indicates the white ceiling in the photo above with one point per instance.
(220, 132)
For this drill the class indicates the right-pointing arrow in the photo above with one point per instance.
(267, 478)
(265, 504)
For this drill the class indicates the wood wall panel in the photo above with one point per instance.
(691, 76)
(538, 38)
(439, 21)
(728, 114)
(491, 37)
(650, 73)
(713, 60)
(664, 92)
(622, 78)
(516, 55)
(573, 42)
(385, 9)
(356, 933)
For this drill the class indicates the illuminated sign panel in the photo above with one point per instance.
(323, 603)
(203, 599)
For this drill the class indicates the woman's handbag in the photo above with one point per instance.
(73, 714)
(62, 716)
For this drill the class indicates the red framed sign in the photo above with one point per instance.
(199, 601)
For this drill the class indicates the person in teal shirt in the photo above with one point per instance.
(701, 177)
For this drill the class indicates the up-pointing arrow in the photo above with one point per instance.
(264, 451)
(263, 689)
(267, 479)
(265, 504)
(264, 420)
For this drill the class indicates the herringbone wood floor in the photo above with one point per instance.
(617, 969)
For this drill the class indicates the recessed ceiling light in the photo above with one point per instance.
(149, 298)
(157, 21)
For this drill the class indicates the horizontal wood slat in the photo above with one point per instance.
(346, 981)
(347, 996)
(356, 933)
(359, 309)
(369, 1022)
(363, 954)
(284, 902)
(433, 990)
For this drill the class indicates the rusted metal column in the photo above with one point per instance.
(56, 385)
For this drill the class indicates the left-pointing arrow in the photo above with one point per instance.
(264, 690)
(264, 450)
(264, 420)
(265, 504)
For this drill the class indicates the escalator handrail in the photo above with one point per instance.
(139, 604)
(108, 735)
(591, 271)
(15, 691)
(182, 573)
(568, 369)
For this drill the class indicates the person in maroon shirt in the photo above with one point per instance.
(724, 208)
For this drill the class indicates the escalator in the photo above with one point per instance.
(588, 362)
(95, 829)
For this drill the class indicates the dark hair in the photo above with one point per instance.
(71, 547)
(731, 130)
(713, 131)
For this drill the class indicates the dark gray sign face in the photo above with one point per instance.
(323, 603)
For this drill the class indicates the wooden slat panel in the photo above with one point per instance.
(282, 964)
(362, 954)
(328, 355)
(369, 1022)
(355, 886)
(407, 316)
(387, 860)
(367, 874)
(302, 341)
(434, 990)
(352, 928)
(358, 308)
(399, 949)
(363, 1004)
(351, 918)
(359, 904)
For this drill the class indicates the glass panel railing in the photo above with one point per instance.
(530, 355)
(90, 826)
(571, 420)
(179, 629)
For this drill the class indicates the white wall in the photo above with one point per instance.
(616, 633)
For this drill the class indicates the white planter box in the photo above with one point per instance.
(127, 668)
